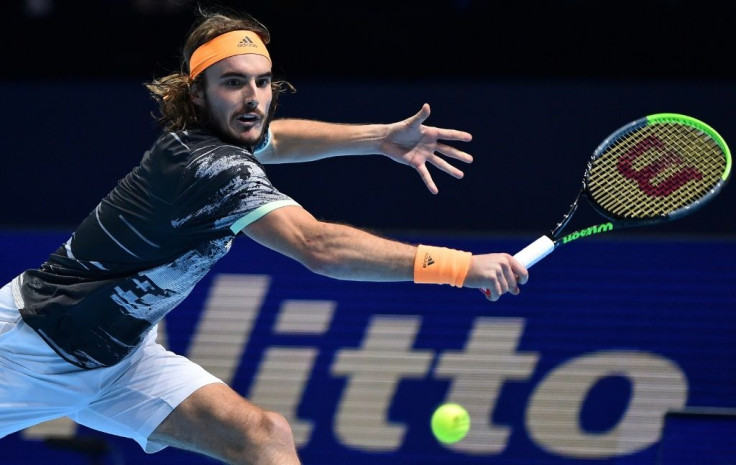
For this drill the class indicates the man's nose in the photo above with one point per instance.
(250, 97)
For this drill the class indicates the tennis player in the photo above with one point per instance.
(77, 335)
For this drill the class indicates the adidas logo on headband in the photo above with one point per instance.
(246, 42)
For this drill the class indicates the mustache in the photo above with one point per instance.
(252, 111)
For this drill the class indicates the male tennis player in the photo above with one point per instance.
(77, 335)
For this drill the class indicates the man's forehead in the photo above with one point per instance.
(247, 65)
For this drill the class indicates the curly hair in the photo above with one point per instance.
(176, 111)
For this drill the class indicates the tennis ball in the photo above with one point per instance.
(450, 423)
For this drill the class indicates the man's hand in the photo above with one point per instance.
(412, 143)
(497, 273)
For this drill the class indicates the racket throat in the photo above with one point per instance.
(555, 233)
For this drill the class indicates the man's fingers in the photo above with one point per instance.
(446, 167)
(520, 273)
(427, 178)
(454, 134)
(421, 116)
(452, 152)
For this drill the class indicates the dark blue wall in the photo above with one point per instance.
(65, 144)
(539, 84)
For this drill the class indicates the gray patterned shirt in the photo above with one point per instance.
(143, 248)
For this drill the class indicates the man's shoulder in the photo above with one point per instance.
(184, 141)
(196, 142)
(202, 155)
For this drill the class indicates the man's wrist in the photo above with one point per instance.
(441, 265)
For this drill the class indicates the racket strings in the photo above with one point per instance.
(655, 170)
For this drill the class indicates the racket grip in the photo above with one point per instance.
(535, 251)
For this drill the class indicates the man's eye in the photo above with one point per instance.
(264, 82)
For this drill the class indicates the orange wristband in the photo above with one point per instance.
(440, 265)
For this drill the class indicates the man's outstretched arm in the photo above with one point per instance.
(345, 252)
(409, 142)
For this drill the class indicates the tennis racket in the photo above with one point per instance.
(653, 170)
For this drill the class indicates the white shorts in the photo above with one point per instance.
(129, 399)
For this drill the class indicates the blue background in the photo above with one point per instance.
(671, 298)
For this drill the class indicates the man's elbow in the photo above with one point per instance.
(319, 252)
(320, 263)
(318, 258)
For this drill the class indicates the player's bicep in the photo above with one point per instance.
(285, 230)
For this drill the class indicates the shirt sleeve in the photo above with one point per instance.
(224, 190)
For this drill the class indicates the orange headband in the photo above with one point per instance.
(224, 46)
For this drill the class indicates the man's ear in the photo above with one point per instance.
(196, 94)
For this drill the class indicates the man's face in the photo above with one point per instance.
(237, 97)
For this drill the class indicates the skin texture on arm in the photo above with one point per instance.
(344, 252)
(333, 250)
(409, 142)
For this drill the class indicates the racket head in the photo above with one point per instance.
(656, 169)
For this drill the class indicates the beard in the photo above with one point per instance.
(222, 130)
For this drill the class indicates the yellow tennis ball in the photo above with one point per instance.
(450, 423)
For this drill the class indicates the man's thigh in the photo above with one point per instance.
(151, 385)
